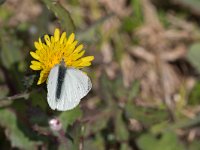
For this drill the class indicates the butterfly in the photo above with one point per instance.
(66, 87)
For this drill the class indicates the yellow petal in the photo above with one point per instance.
(35, 67)
(78, 49)
(36, 63)
(77, 56)
(71, 38)
(47, 40)
(87, 58)
(37, 46)
(34, 55)
(70, 48)
(40, 42)
(63, 37)
(52, 39)
(74, 44)
(76, 63)
(43, 77)
(57, 34)
(85, 64)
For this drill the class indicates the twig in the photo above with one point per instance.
(57, 128)
(8, 100)
(17, 96)
(62, 138)
(81, 140)
(81, 143)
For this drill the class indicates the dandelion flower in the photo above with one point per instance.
(56, 48)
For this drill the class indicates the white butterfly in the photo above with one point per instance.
(66, 87)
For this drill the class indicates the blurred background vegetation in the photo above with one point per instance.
(146, 88)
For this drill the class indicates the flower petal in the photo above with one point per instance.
(87, 58)
(77, 55)
(37, 45)
(71, 38)
(34, 55)
(36, 63)
(35, 67)
(43, 76)
(63, 37)
(78, 49)
(47, 40)
(57, 34)
(85, 64)
(70, 48)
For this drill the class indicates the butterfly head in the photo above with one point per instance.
(62, 63)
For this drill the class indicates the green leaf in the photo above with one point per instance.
(4, 91)
(2, 1)
(106, 86)
(167, 141)
(147, 116)
(194, 55)
(13, 133)
(132, 22)
(97, 143)
(39, 118)
(76, 133)
(128, 24)
(69, 117)
(92, 33)
(62, 14)
(5, 14)
(134, 90)
(160, 127)
(10, 50)
(194, 97)
(98, 124)
(194, 145)
(121, 131)
(39, 99)
(125, 146)
(147, 142)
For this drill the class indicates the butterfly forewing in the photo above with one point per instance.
(51, 87)
(75, 86)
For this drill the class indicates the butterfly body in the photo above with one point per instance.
(61, 76)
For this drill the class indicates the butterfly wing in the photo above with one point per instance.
(76, 85)
(51, 87)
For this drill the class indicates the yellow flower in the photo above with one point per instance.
(55, 49)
